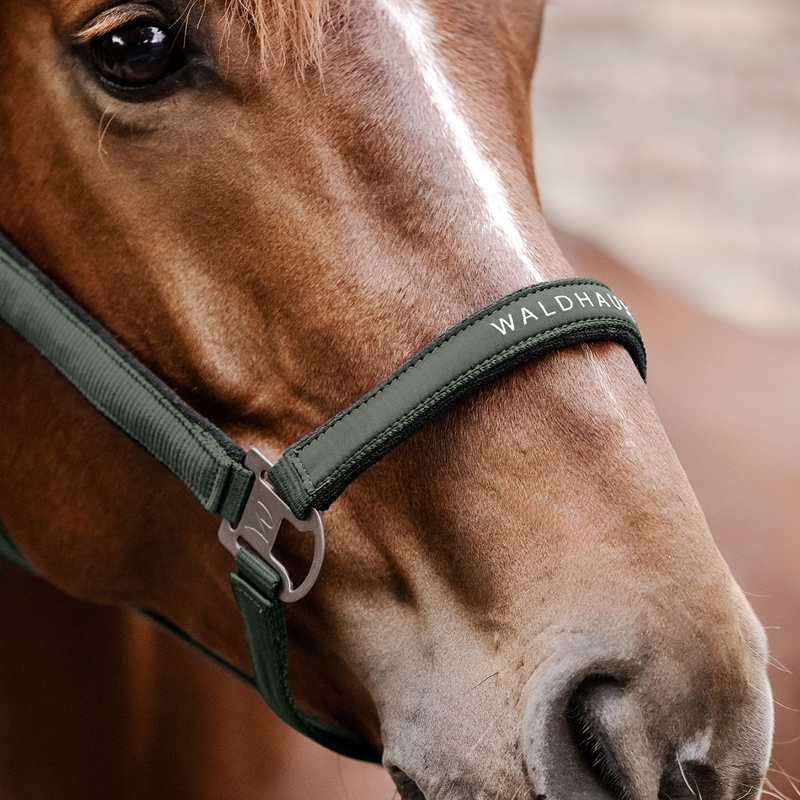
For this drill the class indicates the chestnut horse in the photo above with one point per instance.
(273, 206)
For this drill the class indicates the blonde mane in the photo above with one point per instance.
(289, 26)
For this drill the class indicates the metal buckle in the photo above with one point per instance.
(259, 527)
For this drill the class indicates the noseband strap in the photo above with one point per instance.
(312, 473)
(522, 326)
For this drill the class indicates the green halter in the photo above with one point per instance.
(312, 473)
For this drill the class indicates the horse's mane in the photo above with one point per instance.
(298, 25)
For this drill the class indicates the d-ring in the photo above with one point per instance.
(259, 525)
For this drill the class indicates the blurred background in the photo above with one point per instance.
(669, 130)
(667, 143)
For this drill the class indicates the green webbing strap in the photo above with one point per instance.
(255, 589)
(199, 454)
(255, 585)
(8, 550)
(121, 388)
(522, 326)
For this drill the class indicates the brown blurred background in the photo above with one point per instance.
(667, 139)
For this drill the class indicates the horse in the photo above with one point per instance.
(272, 206)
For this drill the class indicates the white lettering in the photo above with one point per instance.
(584, 299)
(526, 315)
(601, 301)
(627, 310)
(546, 312)
(616, 301)
(502, 326)
(559, 297)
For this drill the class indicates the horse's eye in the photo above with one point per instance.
(136, 55)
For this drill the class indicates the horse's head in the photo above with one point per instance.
(274, 204)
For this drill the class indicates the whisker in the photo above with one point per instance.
(779, 796)
(747, 792)
(101, 151)
(514, 797)
(766, 694)
(504, 779)
(516, 761)
(183, 20)
(776, 792)
(793, 782)
(501, 786)
(486, 731)
(488, 677)
(202, 14)
(683, 775)
(789, 741)
(483, 735)
(699, 793)
(777, 664)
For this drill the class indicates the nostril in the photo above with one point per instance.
(611, 722)
(690, 781)
(406, 787)
(590, 736)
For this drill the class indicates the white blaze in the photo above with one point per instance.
(416, 25)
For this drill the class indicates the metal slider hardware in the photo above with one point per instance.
(260, 523)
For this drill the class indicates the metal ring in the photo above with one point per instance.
(261, 520)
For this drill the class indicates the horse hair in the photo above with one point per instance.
(296, 27)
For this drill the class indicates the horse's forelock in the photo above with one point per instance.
(297, 27)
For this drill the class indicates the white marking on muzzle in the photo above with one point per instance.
(417, 27)
(696, 748)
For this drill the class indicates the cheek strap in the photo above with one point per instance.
(255, 585)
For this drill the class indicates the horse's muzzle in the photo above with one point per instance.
(645, 727)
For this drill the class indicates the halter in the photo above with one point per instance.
(254, 496)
